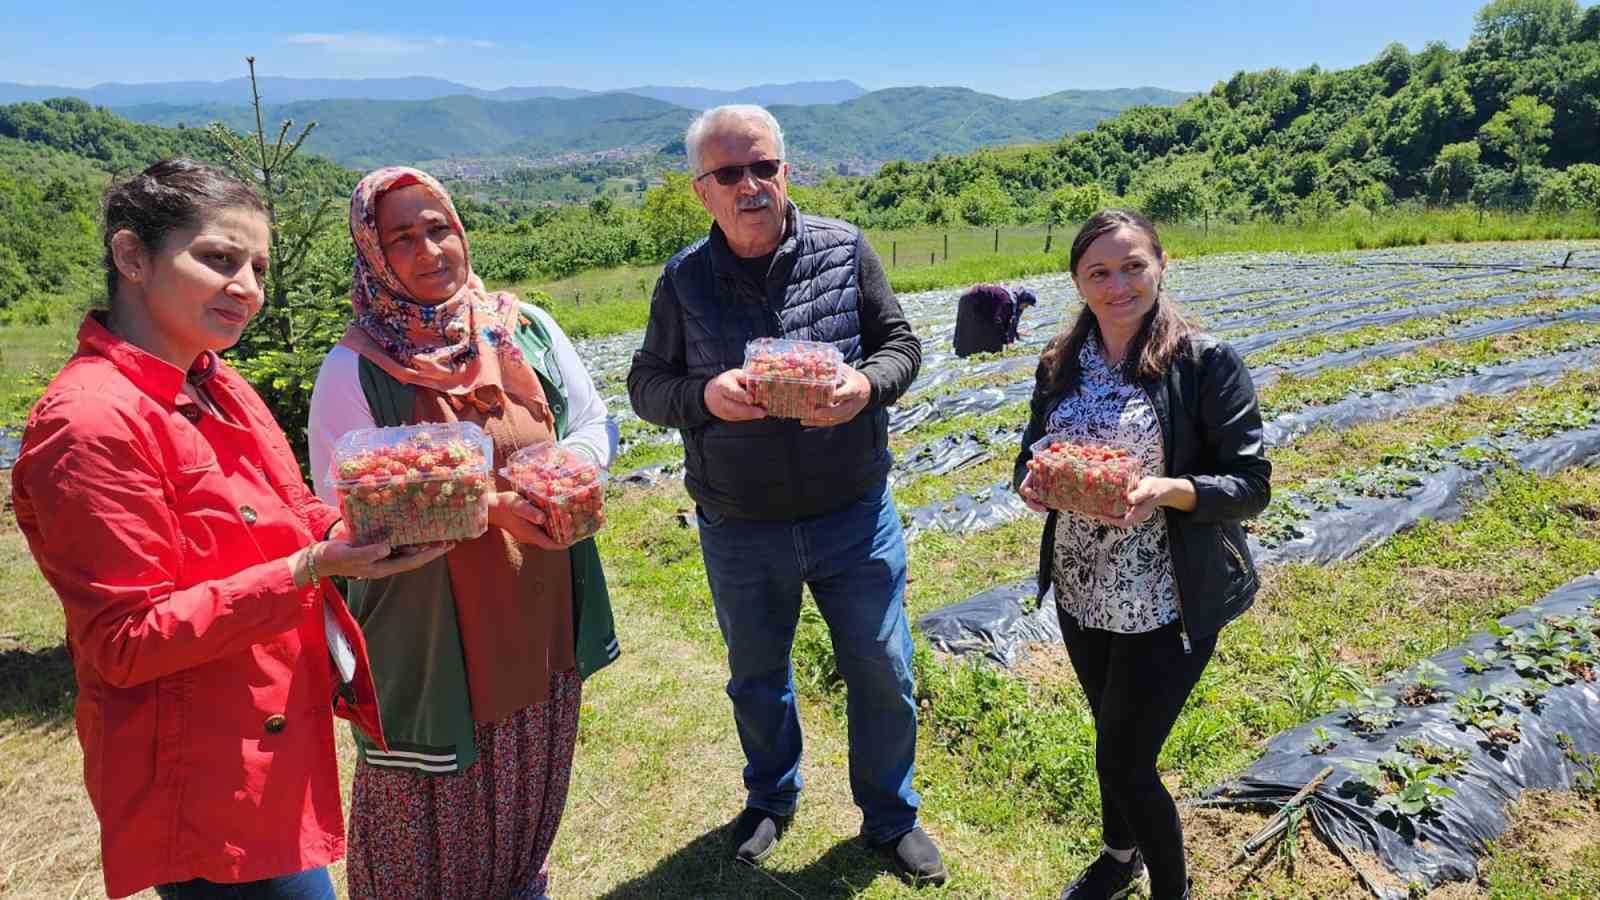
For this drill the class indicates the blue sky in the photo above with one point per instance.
(1015, 50)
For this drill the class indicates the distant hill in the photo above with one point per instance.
(365, 133)
(899, 123)
(236, 91)
(799, 93)
(919, 123)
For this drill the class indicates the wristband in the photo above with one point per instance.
(311, 562)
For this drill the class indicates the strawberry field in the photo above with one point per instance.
(1424, 628)
(1432, 415)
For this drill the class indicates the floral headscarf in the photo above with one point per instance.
(461, 347)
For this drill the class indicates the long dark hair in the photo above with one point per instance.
(1162, 335)
(171, 195)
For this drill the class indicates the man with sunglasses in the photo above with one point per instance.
(783, 503)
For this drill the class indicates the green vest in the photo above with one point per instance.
(409, 620)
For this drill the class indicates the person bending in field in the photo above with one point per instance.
(1144, 585)
(988, 317)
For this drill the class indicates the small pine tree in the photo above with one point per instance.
(297, 219)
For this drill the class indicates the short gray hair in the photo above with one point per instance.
(707, 123)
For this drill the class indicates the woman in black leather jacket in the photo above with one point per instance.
(1141, 597)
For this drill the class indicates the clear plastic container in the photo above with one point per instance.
(414, 484)
(1091, 477)
(791, 379)
(565, 485)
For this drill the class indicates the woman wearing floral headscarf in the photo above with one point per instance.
(478, 657)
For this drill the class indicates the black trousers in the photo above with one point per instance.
(1136, 685)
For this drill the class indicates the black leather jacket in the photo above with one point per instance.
(1210, 435)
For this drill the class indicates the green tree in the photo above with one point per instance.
(1520, 132)
(1576, 189)
(1585, 179)
(1518, 28)
(985, 202)
(1318, 206)
(1374, 197)
(1589, 26)
(297, 215)
(15, 282)
(1454, 171)
(1175, 198)
(1393, 67)
(1073, 203)
(1276, 203)
(1496, 189)
(1556, 193)
(672, 215)
(820, 201)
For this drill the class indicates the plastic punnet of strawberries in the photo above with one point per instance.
(414, 484)
(566, 486)
(1083, 476)
(791, 379)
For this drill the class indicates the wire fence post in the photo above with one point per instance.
(997, 240)
(894, 253)
(947, 246)
(1047, 227)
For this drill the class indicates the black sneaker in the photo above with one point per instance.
(915, 857)
(1106, 879)
(755, 833)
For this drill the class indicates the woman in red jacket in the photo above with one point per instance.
(163, 505)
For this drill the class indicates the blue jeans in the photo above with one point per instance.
(312, 884)
(854, 561)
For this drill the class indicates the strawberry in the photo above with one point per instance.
(568, 488)
(406, 486)
(791, 379)
(1085, 477)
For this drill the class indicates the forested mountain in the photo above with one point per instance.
(900, 123)
(919, 123)
(55, 159)
(1493, 123)
(366, 133)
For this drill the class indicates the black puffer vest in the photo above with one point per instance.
(774, 469)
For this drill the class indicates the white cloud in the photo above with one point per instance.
(363, 42)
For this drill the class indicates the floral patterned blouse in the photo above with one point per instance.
(1110, 578)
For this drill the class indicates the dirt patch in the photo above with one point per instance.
(1045, 662)
(1439, 587)
(1556, 826)
(1302, 867)
(1586, 511)
(1552, 834)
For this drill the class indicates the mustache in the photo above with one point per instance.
(759, 201)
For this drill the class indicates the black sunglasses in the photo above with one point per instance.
(728, 176)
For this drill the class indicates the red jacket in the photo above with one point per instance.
(204, 680)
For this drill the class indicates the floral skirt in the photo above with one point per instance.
(484, 832)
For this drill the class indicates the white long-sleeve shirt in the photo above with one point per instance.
(339, 406)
